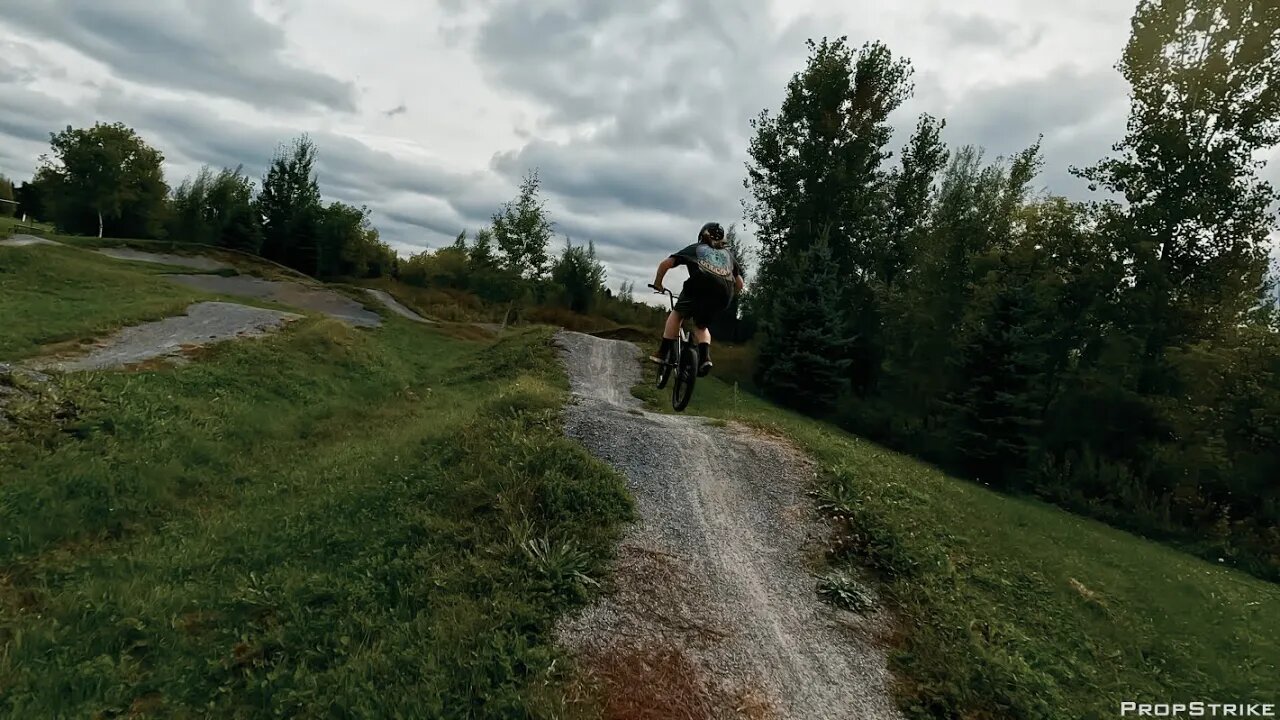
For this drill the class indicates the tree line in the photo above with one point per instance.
(106, 180)
(1120, 356)
(512, 263)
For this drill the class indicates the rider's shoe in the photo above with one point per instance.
(705, 368)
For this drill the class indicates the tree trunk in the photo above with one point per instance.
(99, 224)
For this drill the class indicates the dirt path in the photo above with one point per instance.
(395, 306)
(203, 324)
(714, 614)
(25, 240)
(316, 299)
(195, 262)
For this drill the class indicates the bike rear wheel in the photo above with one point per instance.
(686, 374)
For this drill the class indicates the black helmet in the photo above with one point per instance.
(712, 234)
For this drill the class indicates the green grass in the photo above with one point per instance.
(326, 522)
(1013, 608)
(52, 294)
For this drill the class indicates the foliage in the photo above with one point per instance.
(1106, 356)
(31, 200)
(842, 589)
(216, 210)
(580, 276)
(802, 361)
(816, 171)
(523, 231)
(290, 206)
(104, 177)
(348, 244)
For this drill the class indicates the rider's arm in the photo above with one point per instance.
(663, 267)
(737, 281)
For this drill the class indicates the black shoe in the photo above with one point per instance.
(704, 359)
(705, 368)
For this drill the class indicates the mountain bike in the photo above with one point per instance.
(683, 360)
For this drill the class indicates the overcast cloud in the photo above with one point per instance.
(636, 114)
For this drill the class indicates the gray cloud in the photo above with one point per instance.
(223, 48)
(397, 110)
(973, 29)
(1079, 114)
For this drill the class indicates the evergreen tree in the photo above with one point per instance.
(580, 275)
(481, 254)
(802, 360)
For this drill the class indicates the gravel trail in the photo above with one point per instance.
(316, 299)
(395, 306)
(195, 262)
(203, 324)
(713, 581)
(25, 240)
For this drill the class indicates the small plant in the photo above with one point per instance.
(560, 564)
(844, 591)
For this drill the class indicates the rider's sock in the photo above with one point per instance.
(704, 353)
(665, 348)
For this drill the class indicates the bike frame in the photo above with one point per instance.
(681, 360)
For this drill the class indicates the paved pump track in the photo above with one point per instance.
(712, 583)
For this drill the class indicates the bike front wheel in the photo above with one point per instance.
(664, 370)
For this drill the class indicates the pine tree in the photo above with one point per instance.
(802, 360)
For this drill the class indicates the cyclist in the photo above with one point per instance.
(714, 279)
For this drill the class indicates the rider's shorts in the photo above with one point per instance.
(703, 301)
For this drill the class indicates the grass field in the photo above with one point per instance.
(1011, 608)
(327, 522)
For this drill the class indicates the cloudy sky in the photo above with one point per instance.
(636, 113)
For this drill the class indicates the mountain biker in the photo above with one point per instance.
(714, 279)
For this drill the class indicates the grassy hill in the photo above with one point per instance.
(326, 522)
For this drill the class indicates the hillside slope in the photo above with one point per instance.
(1013, 608)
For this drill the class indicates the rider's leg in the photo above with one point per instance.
(672, 330)
(669, 334)
(702, 336)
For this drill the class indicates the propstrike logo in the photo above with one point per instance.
(1198, 709)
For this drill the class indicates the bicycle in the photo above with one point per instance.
(683, 358)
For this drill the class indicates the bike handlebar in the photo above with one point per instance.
(656, 291)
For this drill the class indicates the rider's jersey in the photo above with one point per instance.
(709, 266)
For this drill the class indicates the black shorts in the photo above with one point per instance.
(703, 302)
